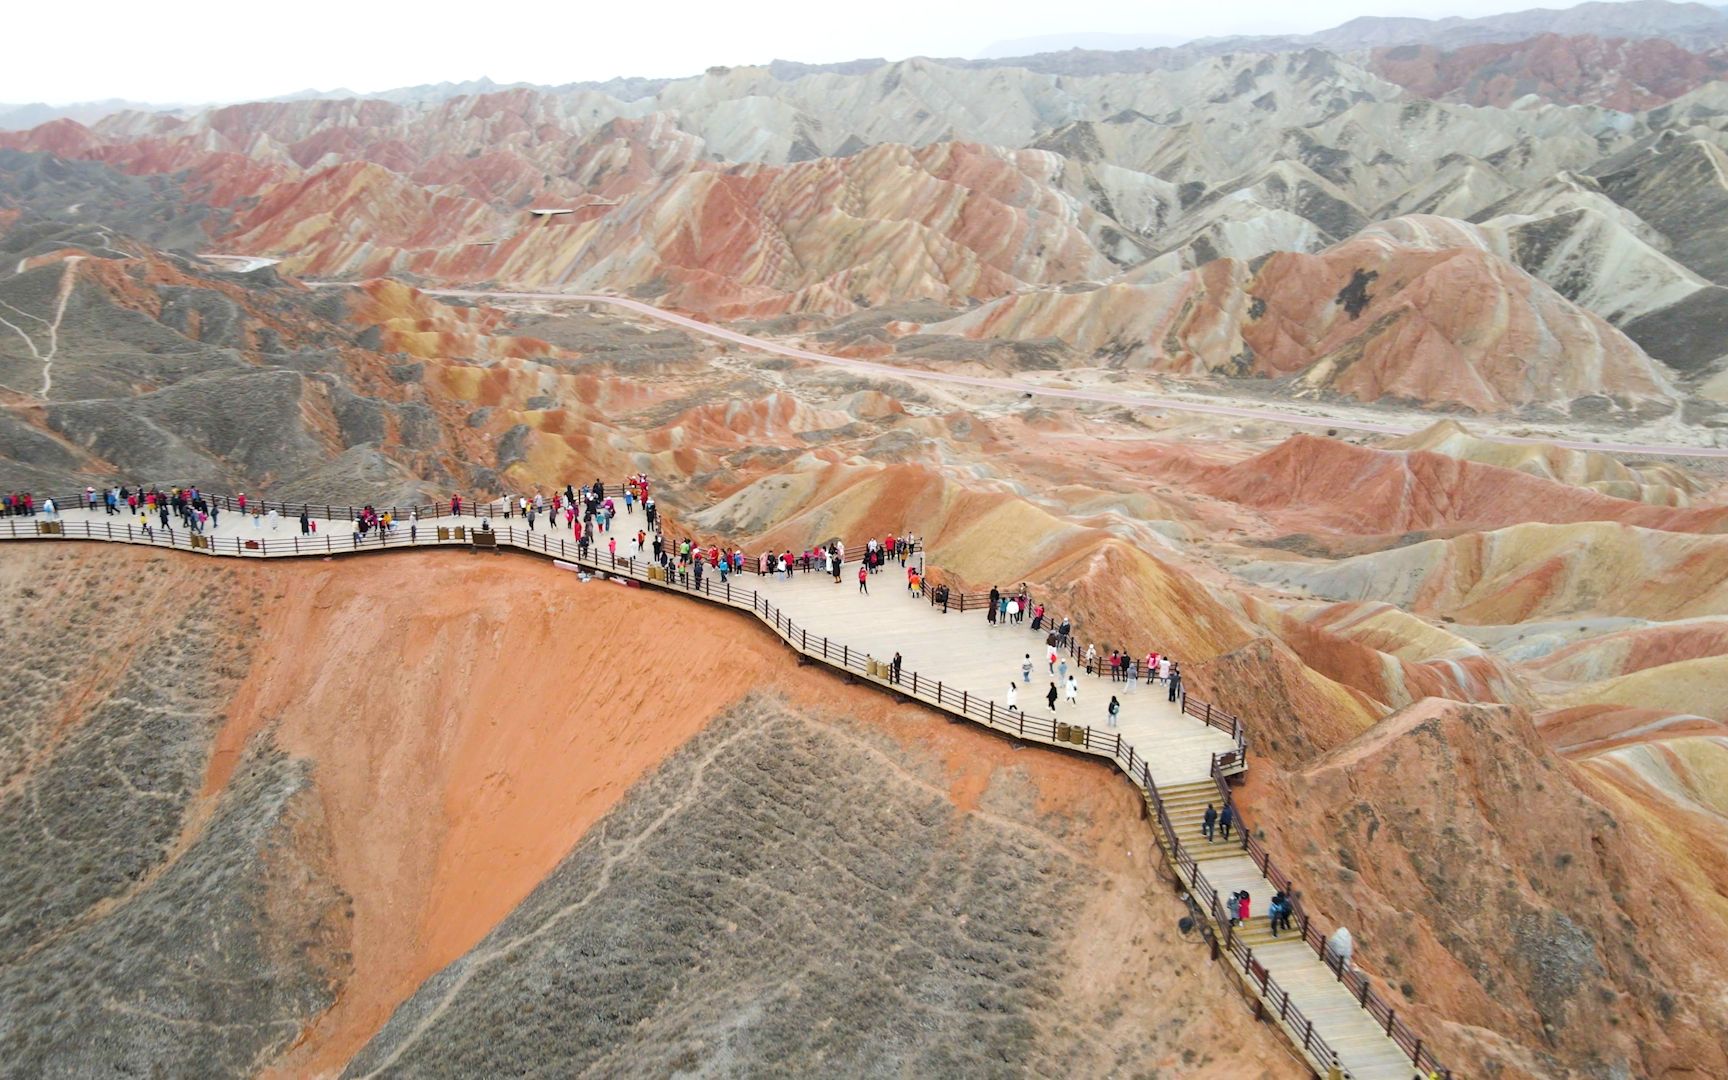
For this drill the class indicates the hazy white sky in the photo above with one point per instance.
(204, 50)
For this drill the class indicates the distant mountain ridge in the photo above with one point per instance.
(1691, 26)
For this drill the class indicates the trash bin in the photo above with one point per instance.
(1077, 736)
(1062, 731)
(872, 668)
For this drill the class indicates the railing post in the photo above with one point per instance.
(964, 702)
(1389, 1015)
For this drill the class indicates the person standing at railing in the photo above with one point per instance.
(894, 670)
(990, 612)
(1175, 682)
(1091, 659)
(1164, 669)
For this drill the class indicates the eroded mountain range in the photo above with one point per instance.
(1483, 678)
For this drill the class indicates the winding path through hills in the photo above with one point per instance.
(1146, 401)
(958, 663)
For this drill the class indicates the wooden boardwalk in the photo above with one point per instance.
(956, 662)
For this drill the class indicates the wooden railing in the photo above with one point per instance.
(1223, 766)
(1354, 981)
(1017, 722)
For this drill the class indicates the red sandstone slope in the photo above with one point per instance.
(1553, 889)
(1628, 75)
(1313, 484)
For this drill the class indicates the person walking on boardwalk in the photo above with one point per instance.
(1062, 668)
(1052, 696)
(1073, 691)
(1013, 698)
(1242, 907)
(1026, 670)
(1051, 657)
(1129, 675)
(1226, 819)
(894, 670)
(1209, 823)
(864, 581)
(275, 518)
(995, 598)
(1113, 711)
